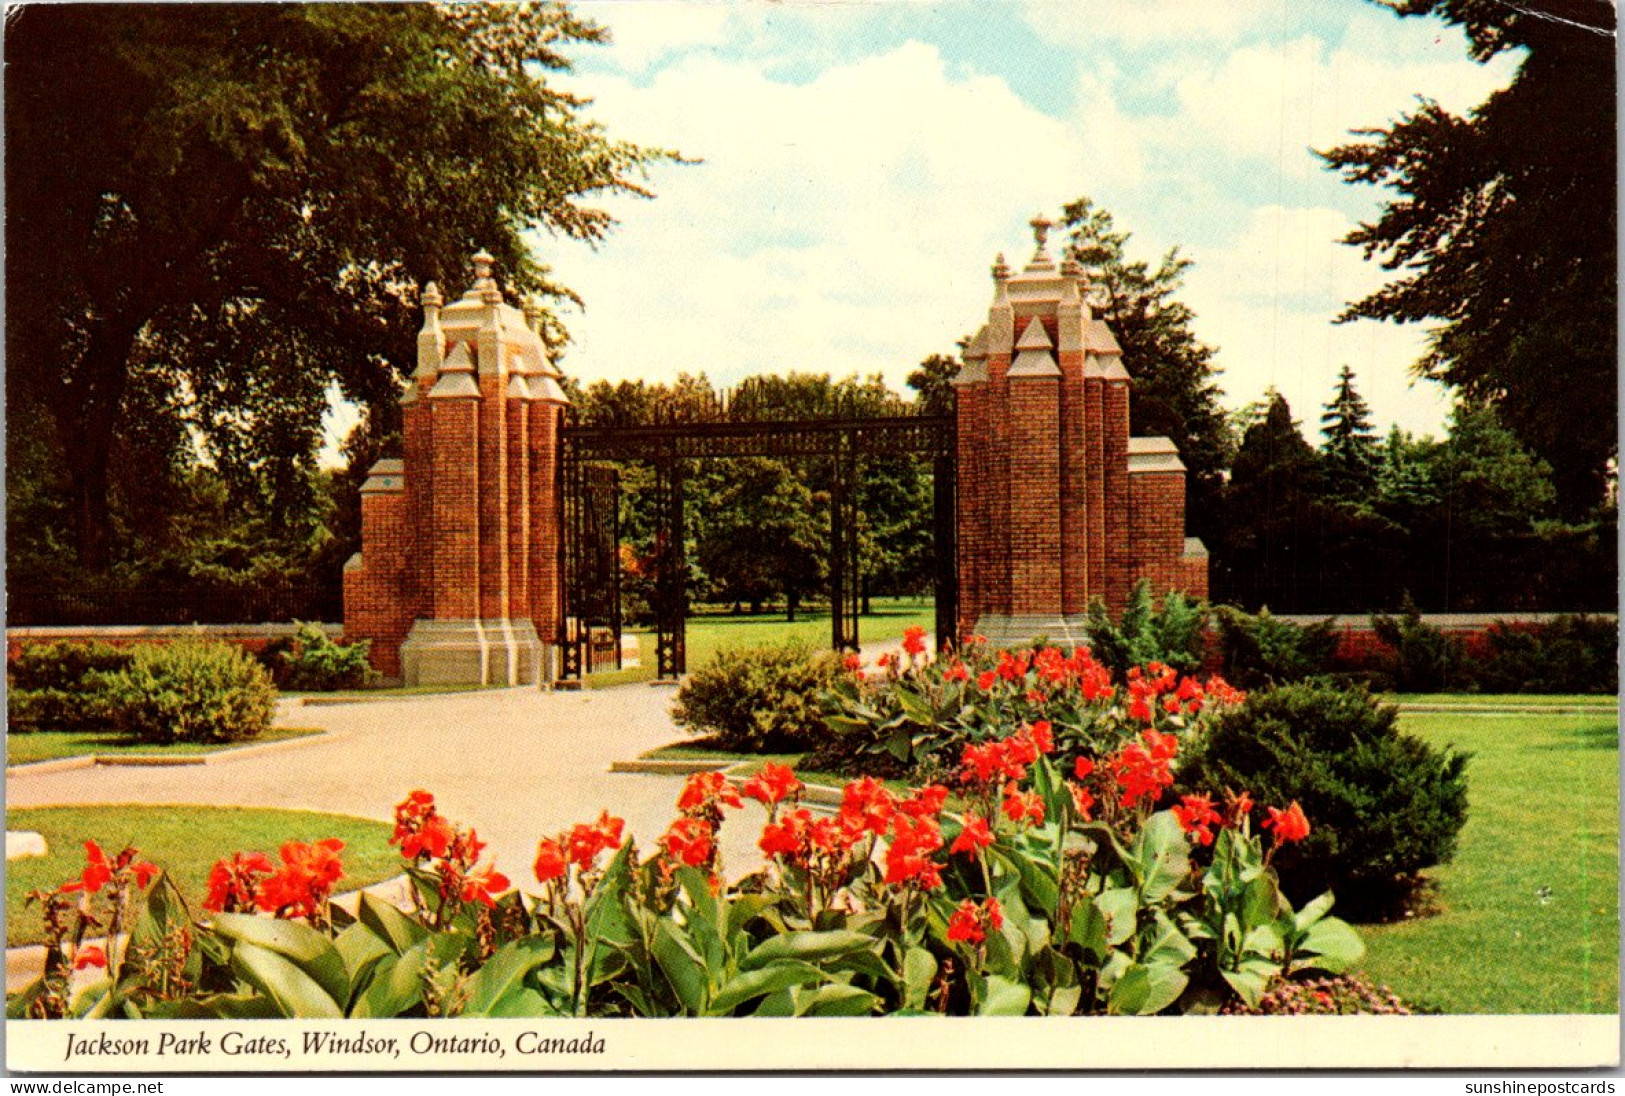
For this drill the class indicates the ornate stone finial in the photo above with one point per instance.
(483, 281)
(533, 314)
(1001, 269)
(431, 296)
(1040, 226)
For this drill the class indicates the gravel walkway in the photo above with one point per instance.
(516, 764)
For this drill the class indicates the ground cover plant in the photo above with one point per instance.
(23, 749)
(1053, 892)
(1525, 918)
(185, 839)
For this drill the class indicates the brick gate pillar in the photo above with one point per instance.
(446, 586)
(1048, 481)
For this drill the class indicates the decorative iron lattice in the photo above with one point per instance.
(719, 429)
(592, 569)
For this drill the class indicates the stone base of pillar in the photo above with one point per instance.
(1020, 631)
(475, 652)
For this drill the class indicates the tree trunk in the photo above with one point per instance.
(790, 608)
(86, 413)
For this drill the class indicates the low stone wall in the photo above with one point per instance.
(252, 638)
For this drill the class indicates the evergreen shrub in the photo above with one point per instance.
(313, 662)
(1386, 804)
(1568, 654)
(1265, 650)
(759, 699)
(1172, 634)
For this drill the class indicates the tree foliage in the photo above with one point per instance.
(238, 201)
(1350, 451)
(1503, 231)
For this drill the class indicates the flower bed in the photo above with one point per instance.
(1058, 887)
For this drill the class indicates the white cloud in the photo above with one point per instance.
(1266, 300)
(1276, 101)
(1135, 22)
(843, 224)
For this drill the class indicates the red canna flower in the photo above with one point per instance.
(1195, 814)
(986, 680)
(914, 640)
(584, 842)
(773, 784)
(908, 855)
(233, 883)
(1082, 801)
(1082, 768)
(789, 836)
(853, 663)
(483, 885)
(550, 860)
(433, 837)
(1289, 825)
(98, 872)
(1022, 806)
(973, 838)
(301, 886)
(956, 672)
(970, 923)
(1238, 808)
(868, 802)
(689, 841)
(91, 955)
(926, 802)
(1042, 736)
(708, 791)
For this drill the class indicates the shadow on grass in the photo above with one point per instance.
(1591, 736)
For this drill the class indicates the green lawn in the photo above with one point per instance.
(185, 841)
(1529, 919)
(22, 749)
(1518, 700)
(709, 633)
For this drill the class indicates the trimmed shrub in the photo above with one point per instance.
(314, 663)
(1568, 654)
(1264, 650)
(58, 686)
(1421, 658)
(1386, 804)
(1172, 634)
(759, 699)
(190, 692)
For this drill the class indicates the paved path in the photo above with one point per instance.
(517, 764)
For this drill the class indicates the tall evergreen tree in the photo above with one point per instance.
(1350, 449)
(1265, 555)
(1503, 231)
(1175, 381)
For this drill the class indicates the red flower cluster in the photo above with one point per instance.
(914, 641)
(1196, 815)
(908, 856)
(1020, 806)
(234, 884)
(1006, 758)
(973, 838)
(420, 830)
(690, 841)
(774, 784)
(971, 923)
(1289, 825)
(302, 884)
(1142, 771)
(100, 871)
(956, 672)
(707, 794)
(580, 845)
(423, 833)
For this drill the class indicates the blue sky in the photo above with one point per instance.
(863, 162)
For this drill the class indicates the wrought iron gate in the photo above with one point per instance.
(591, 566)
(592, 570)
